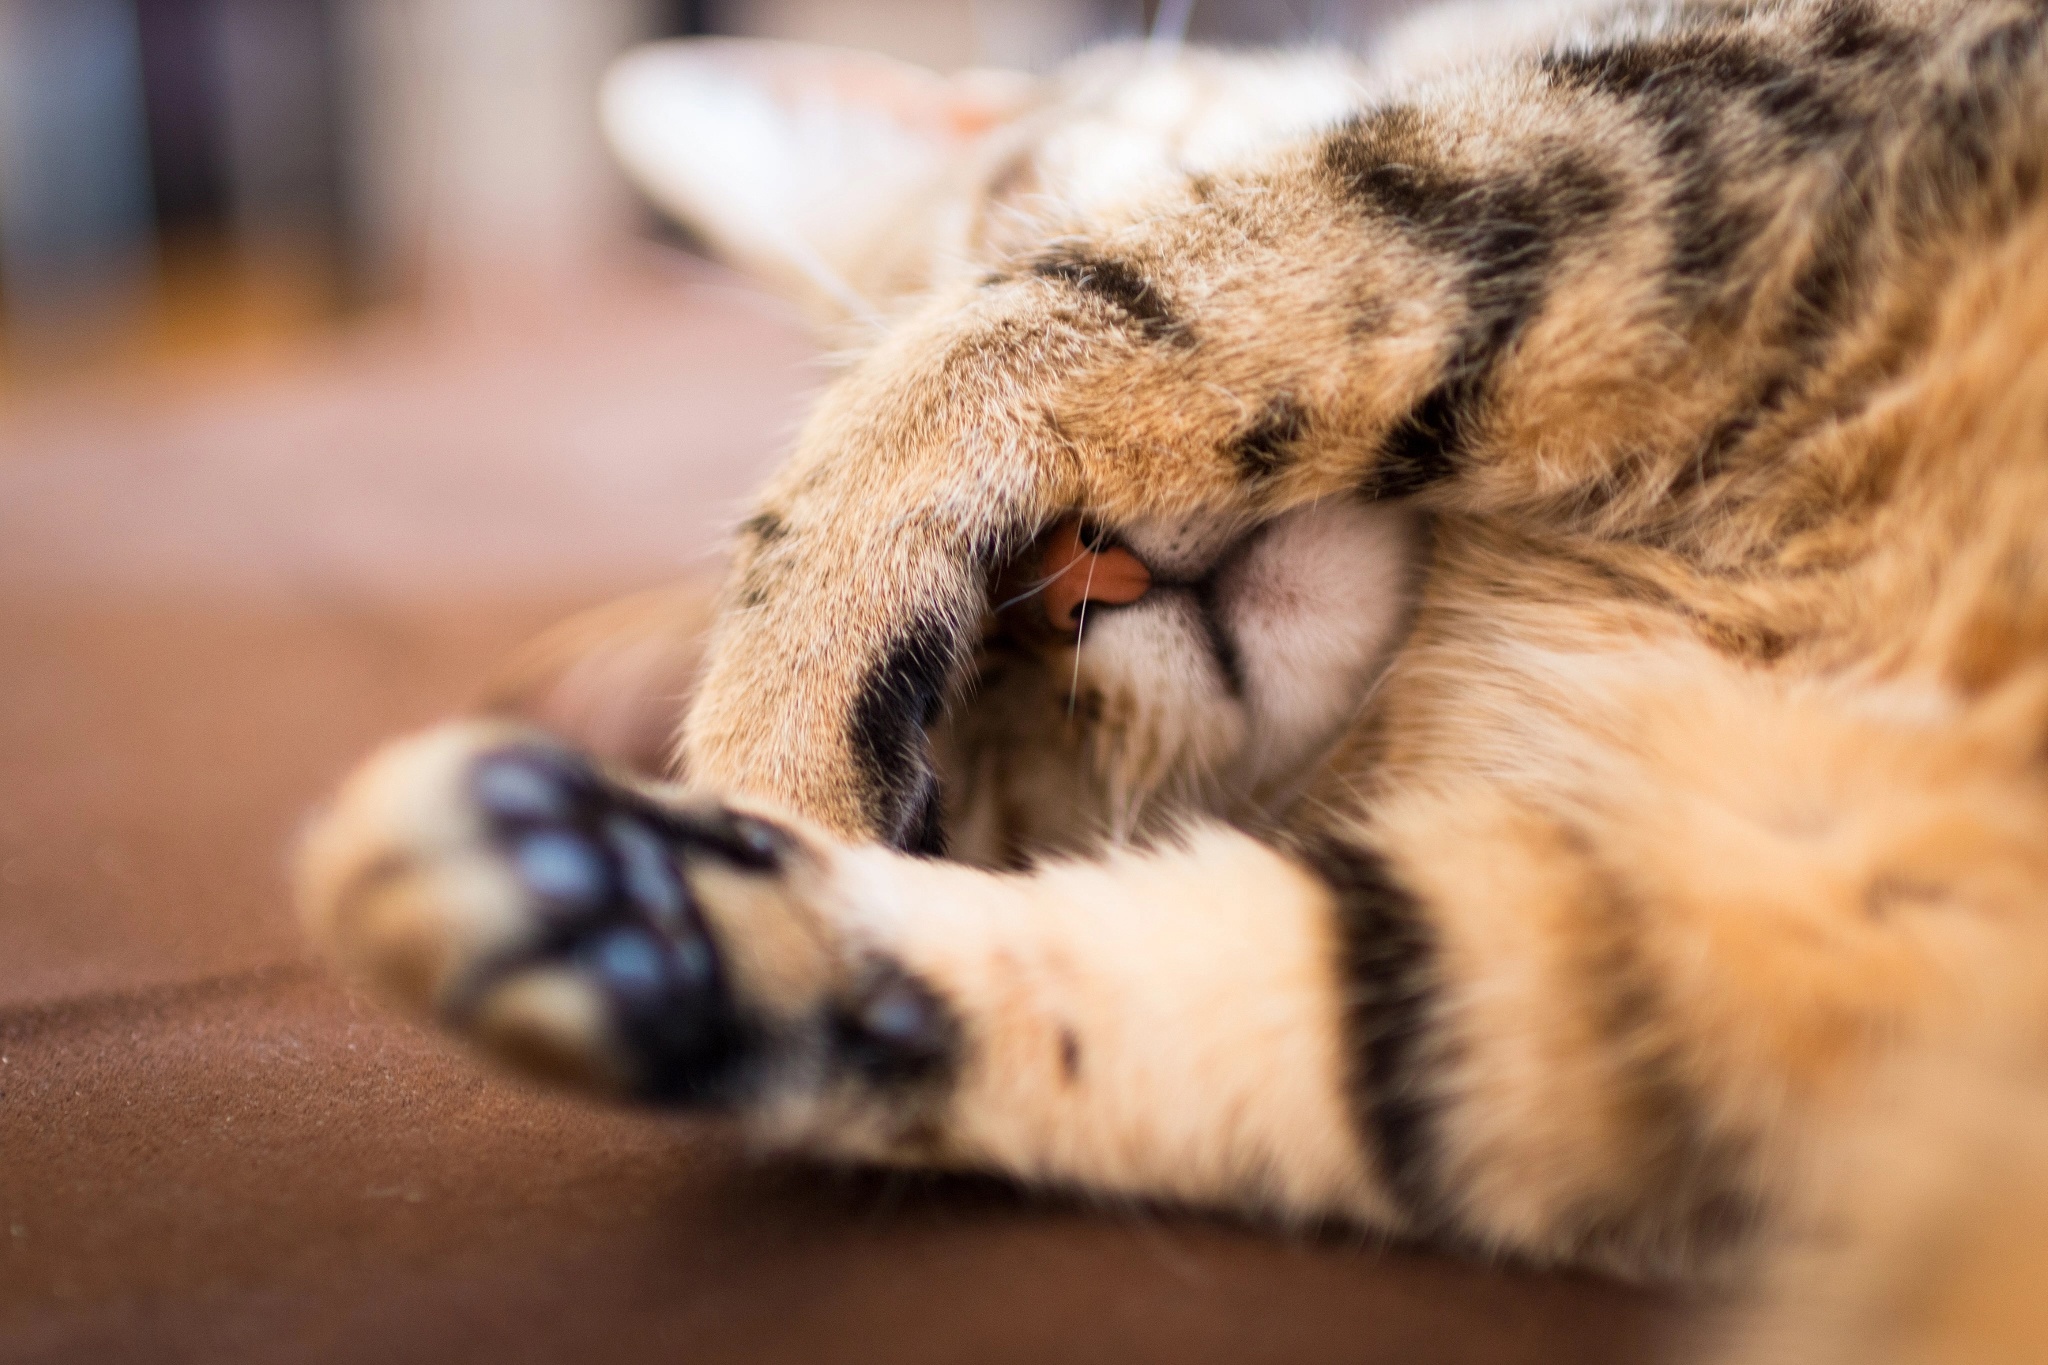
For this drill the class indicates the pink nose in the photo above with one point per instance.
(1075, 575)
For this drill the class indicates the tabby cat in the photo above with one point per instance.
(1454, 641)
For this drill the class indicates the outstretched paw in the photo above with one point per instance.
(615, 922)
(544, 909)
(629, 938)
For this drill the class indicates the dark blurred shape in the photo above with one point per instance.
(74, 196)
(181, 95)
(1252, 22)
(169, 175)
(687, 18)
(281, 71)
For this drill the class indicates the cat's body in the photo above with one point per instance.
(1569, 659)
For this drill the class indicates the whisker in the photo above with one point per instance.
(1042, 584)
(1080, 635)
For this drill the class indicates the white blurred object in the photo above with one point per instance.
(791, 159)
(476, 145)
(845, 179)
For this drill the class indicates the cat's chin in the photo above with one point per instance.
(1317, 602)
(1252, 651)
(1210, 690)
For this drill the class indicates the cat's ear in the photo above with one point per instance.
(797, 163)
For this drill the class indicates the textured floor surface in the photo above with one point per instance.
(209, 604)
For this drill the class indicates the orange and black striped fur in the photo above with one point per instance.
(1556, 739)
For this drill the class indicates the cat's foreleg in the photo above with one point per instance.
(1592, 1017)
(1163, 1025)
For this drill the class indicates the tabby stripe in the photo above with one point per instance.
(1688, 1187)
(1680, 84)
(897, 703)
(1389, 973)
(1506, 231)
(1222, 645)
(1122, 286)
(1683, 73)
(1827, 288)
(1850, 31)
(1267, 447)
(1970, 138)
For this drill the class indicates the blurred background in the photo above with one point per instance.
(194, 181)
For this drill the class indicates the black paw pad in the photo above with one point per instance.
(563, 868)
(894, 1029)
(536, 785)
(647, 872)
(607, 867)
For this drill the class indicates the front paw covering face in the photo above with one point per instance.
(875, 192)
(1131, 675)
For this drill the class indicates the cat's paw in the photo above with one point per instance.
(499, 881)
(583, 927)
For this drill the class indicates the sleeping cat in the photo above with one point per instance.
(1455, 641)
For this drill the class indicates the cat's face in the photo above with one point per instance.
(1135, 667)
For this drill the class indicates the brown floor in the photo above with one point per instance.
(208, 605)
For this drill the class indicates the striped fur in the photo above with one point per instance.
(1670, 395)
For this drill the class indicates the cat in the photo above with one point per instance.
(1452, 640)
